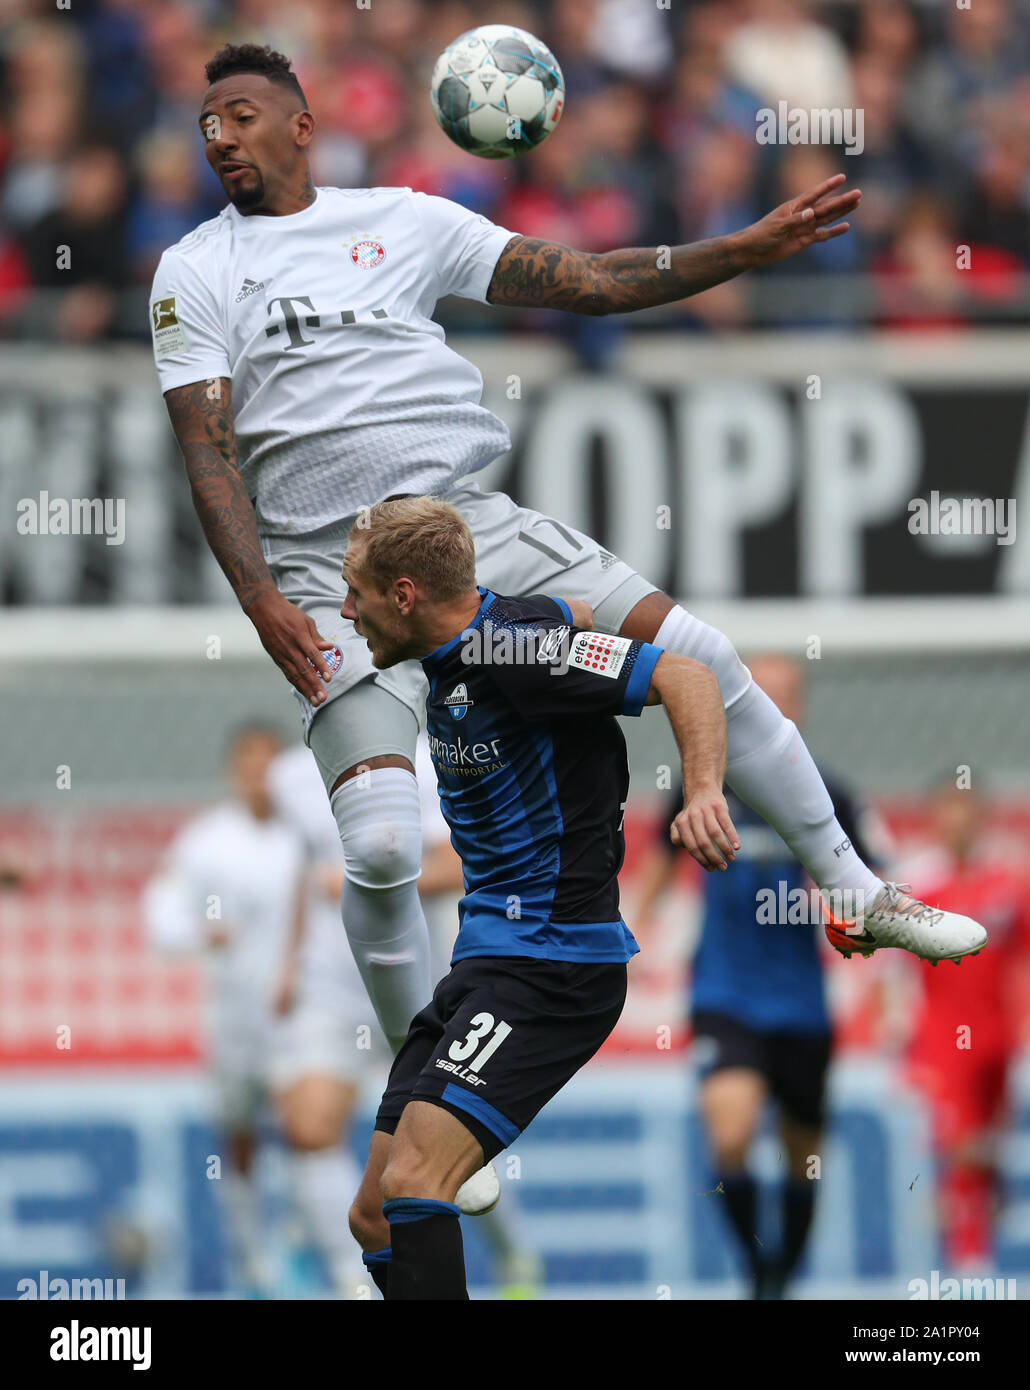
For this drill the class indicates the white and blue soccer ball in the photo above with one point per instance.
(497, 91)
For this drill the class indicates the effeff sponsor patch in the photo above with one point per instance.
(596, 651)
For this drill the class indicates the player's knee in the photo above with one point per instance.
(382, 854)
(366, 1223)
(409, 1173)
(380, 828)
(308, 1132)
(400, 1179)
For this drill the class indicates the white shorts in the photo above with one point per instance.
(323, 1037)
(239, 1049)
(518, 551)
(313, 1040)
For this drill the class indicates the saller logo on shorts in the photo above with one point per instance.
(596, 651)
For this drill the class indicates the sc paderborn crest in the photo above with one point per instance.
(458, 701)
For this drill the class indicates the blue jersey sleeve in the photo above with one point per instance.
(560, 670)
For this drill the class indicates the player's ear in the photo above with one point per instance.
(404, 595)
(303, 128)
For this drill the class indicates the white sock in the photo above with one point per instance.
(768, 765)
(325, 1182)
(380, 823)
(242, 1203)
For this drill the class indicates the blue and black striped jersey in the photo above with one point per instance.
(533, 779)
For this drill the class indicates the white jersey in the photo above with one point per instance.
(343, 388)
(230, 873)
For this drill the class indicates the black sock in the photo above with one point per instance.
(798, 1209)
(428, 1256)
(377, 1262)
(741, 1206)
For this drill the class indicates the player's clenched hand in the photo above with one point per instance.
(705, 830)
(293, 642)
(792, 226)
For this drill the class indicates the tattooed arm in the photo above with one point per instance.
(201, 416)
(546, 275)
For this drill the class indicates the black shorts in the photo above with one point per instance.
(500, 1037)
(794, 1065)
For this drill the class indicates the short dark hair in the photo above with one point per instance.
(252, 57)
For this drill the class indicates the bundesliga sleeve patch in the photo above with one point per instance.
(596, 651)
(169, 335)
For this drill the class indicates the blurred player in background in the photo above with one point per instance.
(234, 885)
(330, 1035)
(967, 1029)
(758, 1003)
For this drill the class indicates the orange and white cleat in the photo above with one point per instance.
(849, 939)
(900, 920)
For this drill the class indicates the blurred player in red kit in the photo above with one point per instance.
(966, 1030)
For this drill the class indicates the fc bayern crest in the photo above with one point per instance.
(366, 255)
(333, 659)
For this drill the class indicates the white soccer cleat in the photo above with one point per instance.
(480, 1193)
(898, 919)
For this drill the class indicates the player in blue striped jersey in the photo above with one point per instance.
(533, 780)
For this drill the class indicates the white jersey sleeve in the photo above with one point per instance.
(463, 246)
(187, 325)
(173, 900)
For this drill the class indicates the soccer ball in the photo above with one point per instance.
(497, 91)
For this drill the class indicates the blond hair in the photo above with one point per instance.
(418, 538)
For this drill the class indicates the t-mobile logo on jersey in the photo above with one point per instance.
(290, 319)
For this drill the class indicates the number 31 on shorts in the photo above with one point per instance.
(481, 1026)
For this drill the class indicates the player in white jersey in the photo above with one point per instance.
(305, 381)
(328, 1036)
(281, 1012)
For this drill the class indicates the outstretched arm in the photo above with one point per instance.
(201, 416)
(544, 274)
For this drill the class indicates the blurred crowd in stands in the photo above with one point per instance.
(100, 150)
